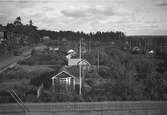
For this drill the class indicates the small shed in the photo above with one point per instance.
(67, 80)
(63, 81)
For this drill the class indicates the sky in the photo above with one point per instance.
(133, 17)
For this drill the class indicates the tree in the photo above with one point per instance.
(31, 31)
(17, 21)
(30, 23)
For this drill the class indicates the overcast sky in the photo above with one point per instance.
(134, 17)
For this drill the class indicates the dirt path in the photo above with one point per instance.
(7, 60)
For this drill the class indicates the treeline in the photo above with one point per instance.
(71, 35)
(17, 34)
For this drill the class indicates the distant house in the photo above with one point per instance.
(71, 53)
(85, 65)
(72, 61)
(45, 38)
(53, 48)
(78, 61)
(75, 61)
(151, 52)
(84, 62)
(136, 49)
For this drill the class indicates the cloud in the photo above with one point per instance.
(25, 4)
(10, 9)
(105, 11)
(161, 3)
(89, 15)
(74, 13)
(86, 12)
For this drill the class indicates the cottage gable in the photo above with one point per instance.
(83, 63)
(63, 74)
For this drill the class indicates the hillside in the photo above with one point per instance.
(121, 74)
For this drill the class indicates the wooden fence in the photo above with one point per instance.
(86, 108)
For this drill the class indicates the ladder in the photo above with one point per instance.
(18, 100)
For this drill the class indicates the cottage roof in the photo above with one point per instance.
(71, 51)
(63, 74)
(73, 70)
(83, 61)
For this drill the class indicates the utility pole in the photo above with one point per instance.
(89, 46)
(80, 50)
(80, 75)
(98, 59)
